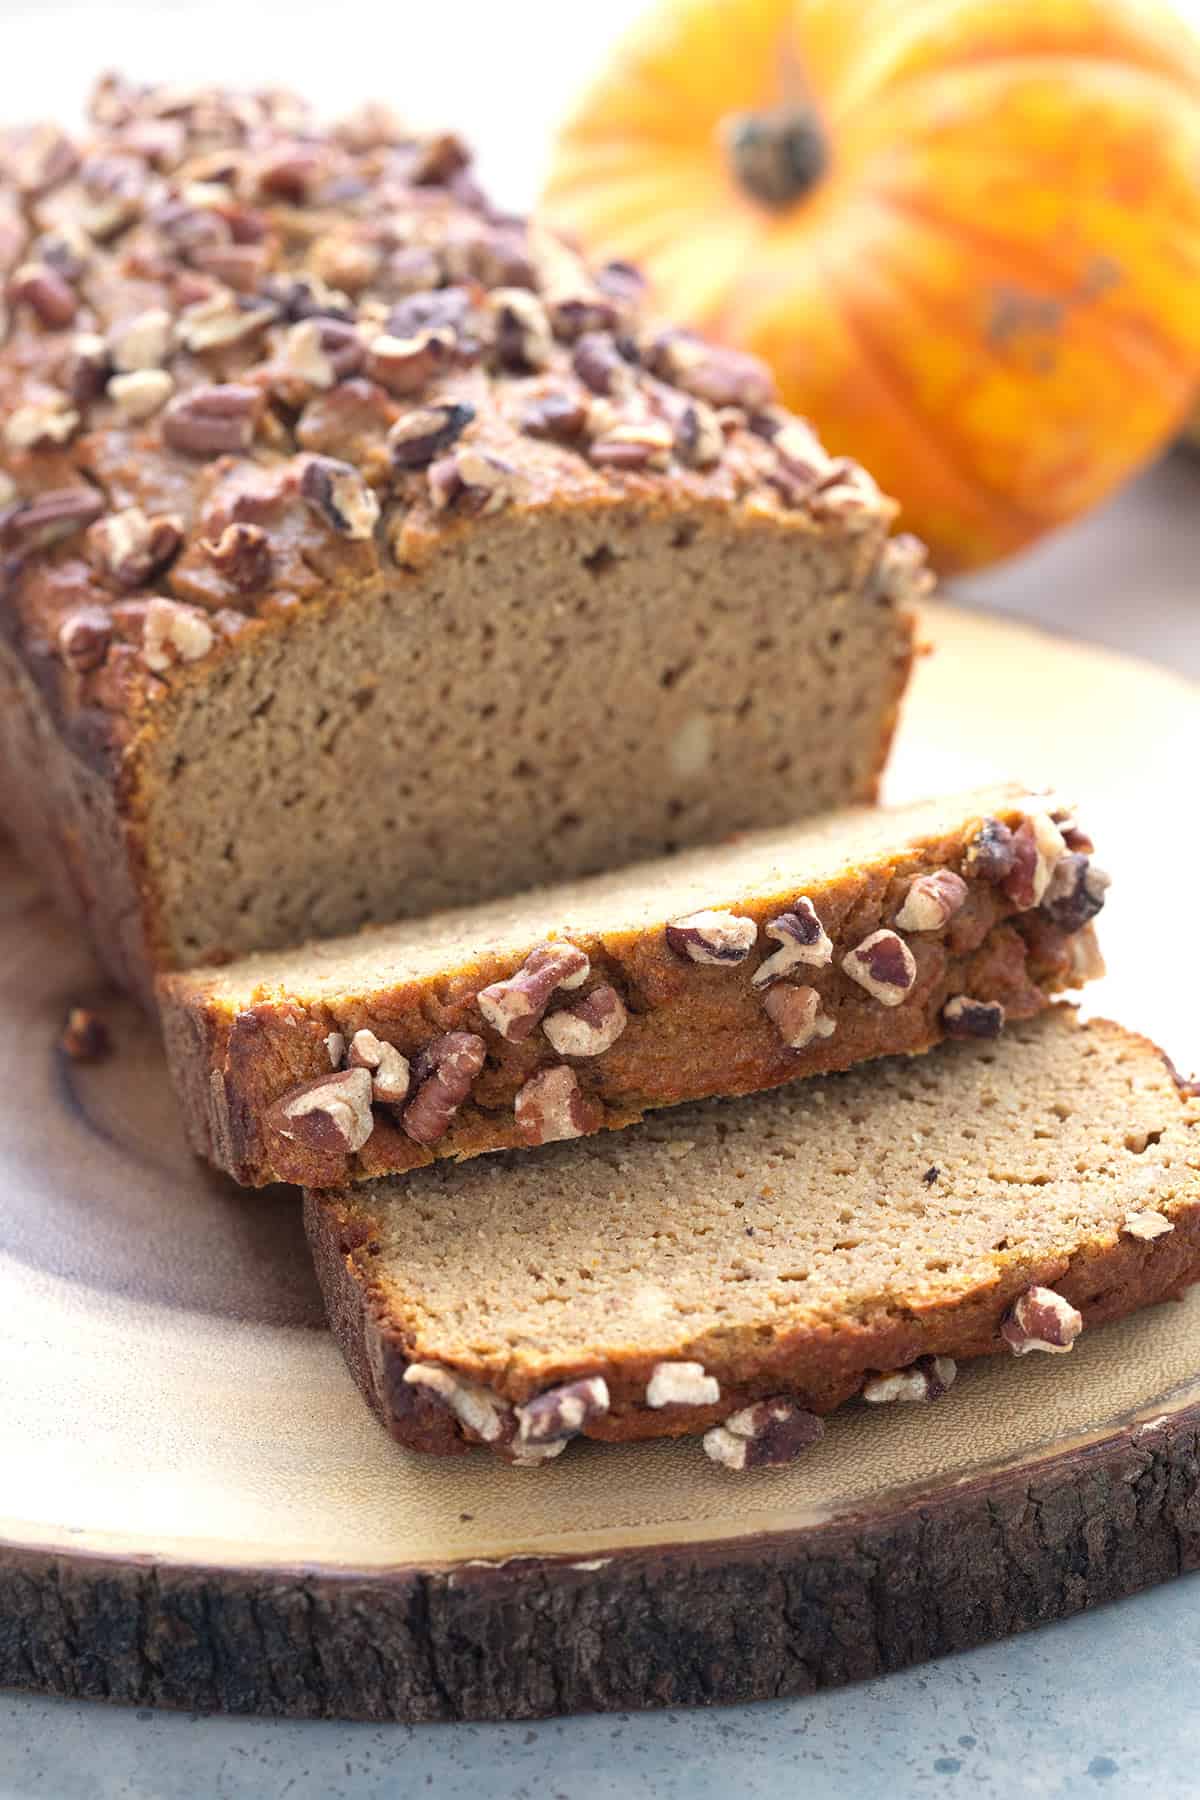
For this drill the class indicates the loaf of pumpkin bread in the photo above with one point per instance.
(740, 1268)
(365, 553)
(577, 1008)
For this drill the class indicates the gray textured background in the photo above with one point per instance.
(1101, 1704)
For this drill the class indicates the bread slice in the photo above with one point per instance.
(364, 553)
(792, 1248)
(578, 1008)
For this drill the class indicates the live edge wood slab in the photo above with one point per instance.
(197, 1511)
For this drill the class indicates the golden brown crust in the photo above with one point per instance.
(255, 368)
(693, 1031)
(820, 1366)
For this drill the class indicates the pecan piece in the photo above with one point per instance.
(1146, 1225)
(767, 1435)
(713, 937)
(556, 414)
(796, 1015)
(85, 1038)
(681, 1384)
(141, 393)
(600, 365)
(41, 287)
(699, 439)
(131, 548)
(884, 965)
(515, 1007)
(964, 1017)
(932, 901)
(331, 1114)
(41, 423)
(213, 421)
(801, 938)
(590, 1027)
(722, 376)
(634, 444)
(224, 319)
(484, 483)
(562, 1412)
(1075, 892)
(84, 637)
(174, 634)
(990, 854)
(926, 1379)
(444, 1075)
(335, 1048)
(551, 1107)
(391, 1076)
(1037, 847)
(141, 342)
(406, 365)
(85, 368)
(418, 437)
(37, 523)
(1041, 1320)
(338, 492)
(523, 339)
(475, 1407)
(241, 556)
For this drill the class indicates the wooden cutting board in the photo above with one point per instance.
(197, 1510)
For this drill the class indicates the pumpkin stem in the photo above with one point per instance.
(777, 156)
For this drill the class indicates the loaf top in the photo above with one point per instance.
(253, 364)
(786, 1243)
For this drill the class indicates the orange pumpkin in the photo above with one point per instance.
(965, 233)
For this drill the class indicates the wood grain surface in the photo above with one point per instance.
(196, 1510)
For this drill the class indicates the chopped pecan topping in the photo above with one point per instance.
(52, 298)
(85, 368)
(551, 1107)
(132, 548)
(699, 439)
(450, 308)
(242, 267)
(213, 421)
(300, 365)
(485, 1414)
(225, 319)
(85, 1037)
(404, 366)
(1075, 892)
(241, 556)
(1086, 962)
(767, 1435)
(141, 342)
(331, 1115)
(1041, 1320)
(556, 414)
(562, 1412)
(523, 340)
(600, 365)
(44, 160)
(634, 444)
(335, 1046)
(443, 1077)
(418, 437)
(481, 482)
(932, 901)
(141, 393)
(713, 937)
(515, 1007)
(174, 634)
(722, 376)
(590, 1027)
(84, 637)
(796, 1014)
(802, 939)
(391, 1076)
(990, 855)
(35, 524)
(338, 492)
(681, 1384)
(44, 422)
(964, 1017)
(1146, 1225)
(926, 1379)
(884, 965)
(1037, 846)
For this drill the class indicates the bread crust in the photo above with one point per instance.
(110, 641)
(819, 1365)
